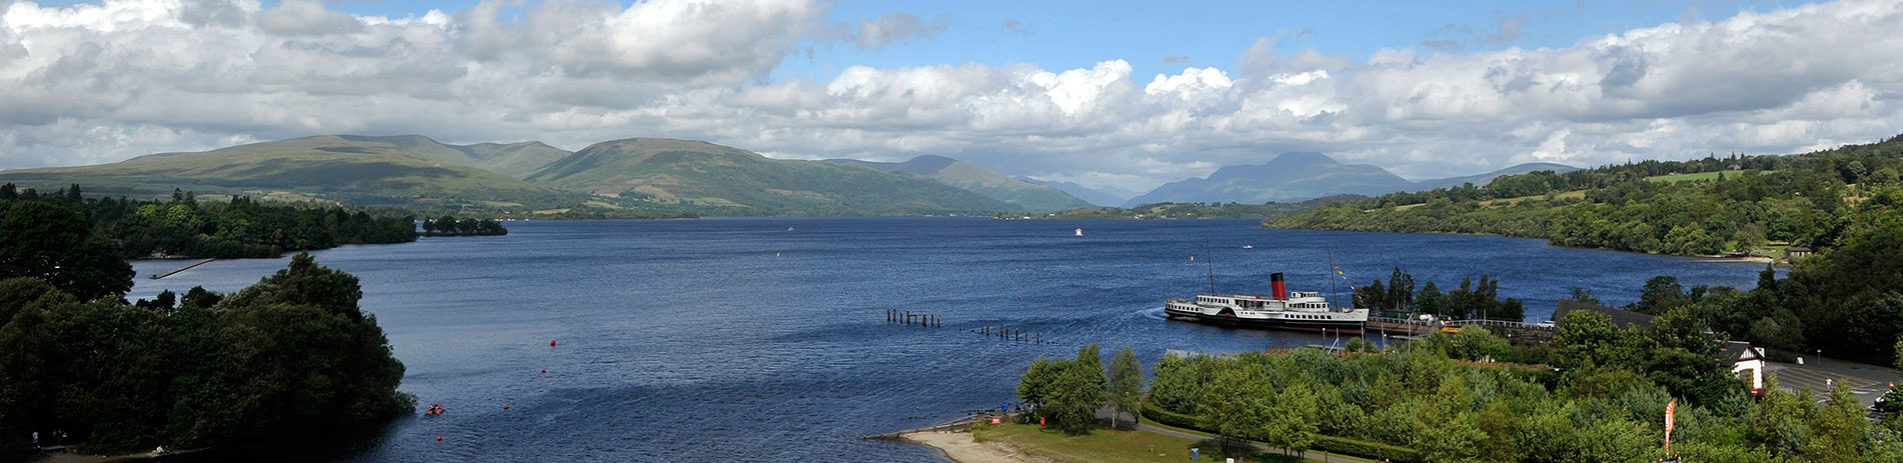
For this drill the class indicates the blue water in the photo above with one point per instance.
(739, 340)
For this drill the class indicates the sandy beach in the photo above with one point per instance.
(960, 447)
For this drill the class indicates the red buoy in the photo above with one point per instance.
(551, 343)
(439, 437)
(545, 370)
(505, 407)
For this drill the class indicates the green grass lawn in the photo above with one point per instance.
(1112, 446)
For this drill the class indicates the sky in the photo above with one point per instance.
(1124, 94)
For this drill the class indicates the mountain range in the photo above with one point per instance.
(1108, 196)
(698, 173)
(649, 174)
(1032, 197)
(1298, 176)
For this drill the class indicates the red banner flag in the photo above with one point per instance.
(1670, 409)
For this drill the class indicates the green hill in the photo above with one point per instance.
(1707, 206)
(512, 159)
(359, 170)
(1029, 196)
(701, 174)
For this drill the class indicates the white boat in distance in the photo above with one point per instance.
(1080, 232)
(1282, 309)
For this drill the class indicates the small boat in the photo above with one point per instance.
(1080, 232)
(1248, 246)
(789, 228)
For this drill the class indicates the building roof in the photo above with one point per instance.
(1620, 317)
(1736, 351)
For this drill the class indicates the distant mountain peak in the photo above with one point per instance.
(1282, 165)
(927, 163)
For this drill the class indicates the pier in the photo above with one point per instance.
(1515, 332)
(961, 425)
(175, 271)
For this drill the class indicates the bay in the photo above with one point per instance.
(764, 339)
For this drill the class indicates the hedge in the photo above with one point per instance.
(1341, 445)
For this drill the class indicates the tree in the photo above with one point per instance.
(1076, 393)
(1126, 382)
(1584, 295)
(1780, 422)
(1838, 429)
(1400, 297)
(1292, 427)
(1661, 293)
(1444, 429)
(51, 242)
(1373, 298)
(1429, 300)
(1035, 384)
(1236, 403)
(1476, 343)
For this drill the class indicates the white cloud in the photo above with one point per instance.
(102, 82)
(894, 26)
(306, 17)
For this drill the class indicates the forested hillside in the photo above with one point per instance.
(1845, 203)
(292, 353)
(1734, 204)
(240, 227)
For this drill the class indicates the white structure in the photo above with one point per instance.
(1745, 358)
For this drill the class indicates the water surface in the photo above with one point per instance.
(742, 340)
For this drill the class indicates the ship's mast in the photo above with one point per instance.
(1212, 265)
(1334, 293)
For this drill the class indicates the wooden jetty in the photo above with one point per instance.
(175, 271)
(1515, 332)
(959, 425)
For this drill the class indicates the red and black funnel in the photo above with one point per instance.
(1276, 284)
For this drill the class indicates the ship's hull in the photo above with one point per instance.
(1322, 322)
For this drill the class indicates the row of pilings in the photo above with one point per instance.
(926, 320)
(1011, 334)
(907, 317)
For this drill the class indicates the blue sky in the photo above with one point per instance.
(1120, 94)
(1163, 37)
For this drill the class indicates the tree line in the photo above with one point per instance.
(1750, 202)
(239, 227)
(449, 226)
(1469, 301)
(1598, 394)
(292, 353)
(1068, 392)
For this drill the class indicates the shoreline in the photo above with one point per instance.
(962, 447)
(1549, 242)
